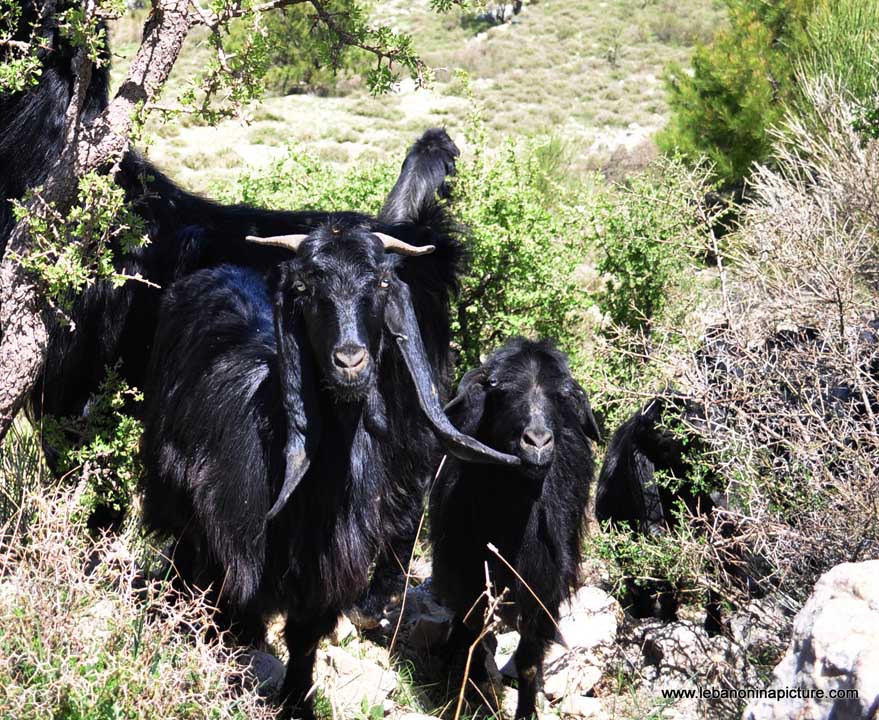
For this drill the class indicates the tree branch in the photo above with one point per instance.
(23, 312)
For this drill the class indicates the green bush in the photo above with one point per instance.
(300, 54)
(303, 181)
(101, 447)
(523, 249)
(738, 87)
(648, 233)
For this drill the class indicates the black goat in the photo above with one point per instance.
(523, 401)
(186, 232)
(430, 162)
(629, 495)
(281, 415)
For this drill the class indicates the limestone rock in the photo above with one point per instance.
(834, 647)
(578, 706)
(589, 619)
(588, 625)
(349, 680)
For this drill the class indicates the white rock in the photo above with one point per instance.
(589, 620)
(344, 630)
(834, 647)
(348, 680)
(580, 706)
(572, 674)
(588, 624)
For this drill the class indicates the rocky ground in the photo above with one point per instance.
(607, 664)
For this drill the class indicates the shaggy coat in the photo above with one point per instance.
(522, 401)
(186, 232)
(284, 418)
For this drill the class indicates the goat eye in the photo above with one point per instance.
(384, 283)
(492, 382)
(299, 286)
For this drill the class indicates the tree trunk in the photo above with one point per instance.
(23, 312)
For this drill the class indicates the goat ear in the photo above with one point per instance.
(582, 410)
(402, 324)
(468, 406)
(299, 397)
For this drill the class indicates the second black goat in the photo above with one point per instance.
(522, 401)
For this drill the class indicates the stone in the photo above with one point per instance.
(588, 627)
(571, 674)
(344, 630)
(589, 619)
(348, 680)
(680, 647)
(580, 707)
(265, 670)
(427, 623)
(834, 647)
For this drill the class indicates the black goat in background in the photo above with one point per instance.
(281, 415)
(629, 495)
(187, 232)
(522, 401)
(424, 175)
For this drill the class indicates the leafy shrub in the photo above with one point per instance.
(71, 251)
(523, 253)
(101, 448)
(649, 233)
(302, 181)
(299, 53)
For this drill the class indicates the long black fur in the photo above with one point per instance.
(423, 177)
(534, 514)
(187, 232)
(230, 348)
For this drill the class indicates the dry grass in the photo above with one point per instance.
(83, 635)
(583, 71)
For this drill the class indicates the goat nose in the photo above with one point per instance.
(537, 437)
(350, 357)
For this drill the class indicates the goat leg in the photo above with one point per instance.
(302, 640)
(529, 667)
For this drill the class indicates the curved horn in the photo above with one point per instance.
(401, 322)
(288, 242)
(392, 244)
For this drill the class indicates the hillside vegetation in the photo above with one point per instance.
(586, 73)
(759, 308)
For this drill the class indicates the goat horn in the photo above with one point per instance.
(288, 242)
(392, 244)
